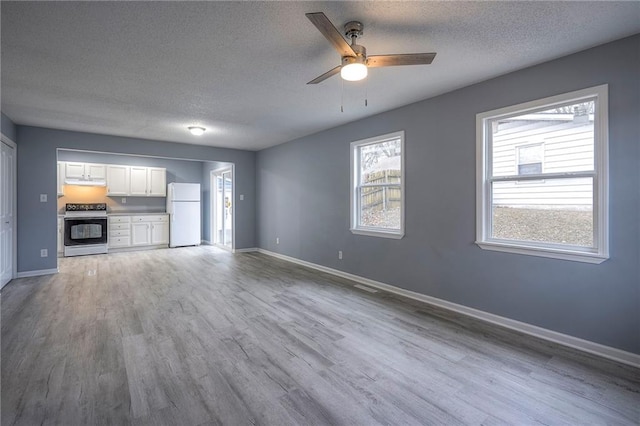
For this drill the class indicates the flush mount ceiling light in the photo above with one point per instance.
(196, 131)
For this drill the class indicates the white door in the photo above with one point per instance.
(222, 208)
(227, 209)
(7, 187)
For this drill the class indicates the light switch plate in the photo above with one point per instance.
(43, 198)
(241, 197)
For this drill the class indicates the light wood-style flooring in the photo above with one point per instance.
(200, 336)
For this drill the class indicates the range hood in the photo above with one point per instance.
(86, 182)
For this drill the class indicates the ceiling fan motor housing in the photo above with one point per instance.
(361, 57)
(353, 29)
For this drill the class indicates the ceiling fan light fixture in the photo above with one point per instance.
(354, 71)
(196, 131)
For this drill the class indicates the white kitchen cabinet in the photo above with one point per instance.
(138, 231)
(148, 182)
(160, 232)
(119, 231)
(74, 170)
(134, 181)
(95, 171)
(60, 236)
(138, 183)
(141, 234)
(86, 171)
(117, 180)
(157, 182)
(60, 178)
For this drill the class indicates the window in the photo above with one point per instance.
(529, 159)
(377, 186)
(558, 147)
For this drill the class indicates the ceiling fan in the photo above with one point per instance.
(354, 57)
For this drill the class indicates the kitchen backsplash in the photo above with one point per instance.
(97, 194)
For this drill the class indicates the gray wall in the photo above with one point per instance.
(37, 175)
(303, 198)
(7, 127)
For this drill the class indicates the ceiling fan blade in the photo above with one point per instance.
(331, 33)
(375, 61)
(326, 75)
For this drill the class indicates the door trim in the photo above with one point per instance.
(14, 235)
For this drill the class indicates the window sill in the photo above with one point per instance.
(554, 253)
(384, 234)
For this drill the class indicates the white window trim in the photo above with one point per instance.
(371, 231)
(600, 182)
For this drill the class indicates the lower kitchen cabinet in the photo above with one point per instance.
(138, 231)
(119, 231)
(160, 232)
(60, 235)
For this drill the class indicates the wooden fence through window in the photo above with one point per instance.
(380, 198)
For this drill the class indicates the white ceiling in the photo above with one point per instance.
(150, 69)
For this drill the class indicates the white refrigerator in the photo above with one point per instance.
(183, 206)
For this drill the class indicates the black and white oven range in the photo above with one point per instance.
(85, 229)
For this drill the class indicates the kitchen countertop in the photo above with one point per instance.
(135, 213)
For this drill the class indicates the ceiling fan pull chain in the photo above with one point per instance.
(342, 96)
(366, 91)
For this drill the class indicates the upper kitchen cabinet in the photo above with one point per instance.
(148, 182)
(60, 175)
(128, 181)
(85, 171)
(157, 181)
(117, 180)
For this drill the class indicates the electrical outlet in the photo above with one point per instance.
(124, 200)
(277, 240)
(340, 254)
(43, 198)
(44, 253)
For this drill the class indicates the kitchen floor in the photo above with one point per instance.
(197, 335)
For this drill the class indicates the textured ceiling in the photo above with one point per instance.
(150, 69)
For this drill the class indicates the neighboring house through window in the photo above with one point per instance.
(377, 186)
(559, 146)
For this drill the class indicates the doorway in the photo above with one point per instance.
(7, 210)
(222, 208)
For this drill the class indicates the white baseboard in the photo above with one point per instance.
(246, 250)
(608, 352)
(27, 274)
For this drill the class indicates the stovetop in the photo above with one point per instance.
(86, 207)
(88, 210)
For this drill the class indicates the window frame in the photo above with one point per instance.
(600, 175)
(355, 227)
